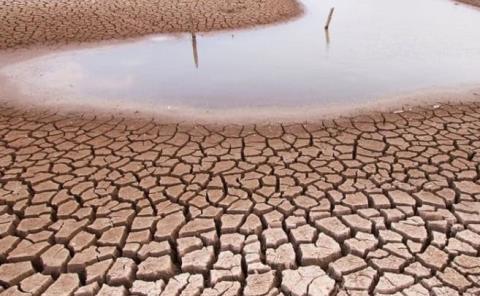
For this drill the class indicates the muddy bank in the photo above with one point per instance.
(471, 2)
(405, 102)
(26, 22)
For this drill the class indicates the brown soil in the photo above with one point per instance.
(383, 203)
(29, 22)
(471, 2)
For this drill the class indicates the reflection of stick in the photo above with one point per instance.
(194, 47)
(329, 18)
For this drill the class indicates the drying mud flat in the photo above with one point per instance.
(471, 2)
(27, 22)
(385, 203)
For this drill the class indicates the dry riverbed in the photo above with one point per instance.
(382, 203)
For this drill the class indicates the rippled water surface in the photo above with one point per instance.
(374, 48)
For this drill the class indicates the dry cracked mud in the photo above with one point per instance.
(471, 2)
(30, 22)
(385, 204)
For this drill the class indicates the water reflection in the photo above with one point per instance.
(380, 48)
(194, 48)
(327, 37)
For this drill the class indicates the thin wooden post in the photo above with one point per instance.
(194, 40)
(329, 18)
(192, 27)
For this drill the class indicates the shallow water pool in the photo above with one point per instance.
(373, 49)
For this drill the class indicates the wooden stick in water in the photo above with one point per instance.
(329, 18)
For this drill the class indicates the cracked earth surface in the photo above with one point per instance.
(29, 22)
(385, 204)
(471, 2)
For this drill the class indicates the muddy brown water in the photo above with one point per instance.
(374, 49)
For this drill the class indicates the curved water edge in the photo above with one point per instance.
(290, 71)
(428, 99)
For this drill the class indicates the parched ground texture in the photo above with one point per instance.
(471, 2)
(385, 204)
(29, 22)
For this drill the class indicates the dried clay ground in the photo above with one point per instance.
(29, 22)
(385, 204)
(471, 2)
